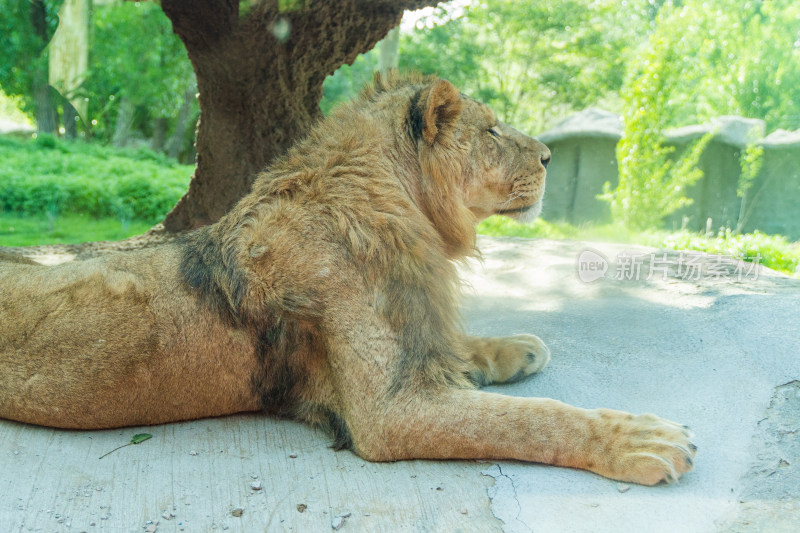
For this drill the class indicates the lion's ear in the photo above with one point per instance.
(441, 108)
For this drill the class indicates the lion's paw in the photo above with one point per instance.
(644, 449)
(518, 356)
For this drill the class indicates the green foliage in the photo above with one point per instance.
(134, 55)
(48, 176)
(11, 108)
(23, 49)
(733, 56)
(703, 59)
(652, 182)
(345, 83)
(772, 251)
(533, 62)
(751, 161)
(500, 226)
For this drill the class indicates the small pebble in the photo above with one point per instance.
(256, 485)
(192, 452)
(293, 456)
(301, 507)
(463, 510)
(237, 512)
(338, 521)
(622, 487)
(167, 516)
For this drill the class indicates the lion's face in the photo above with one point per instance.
(496, 169)
(505, 171)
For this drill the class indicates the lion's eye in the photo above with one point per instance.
(493, 132)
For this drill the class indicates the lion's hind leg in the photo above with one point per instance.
(505, 359)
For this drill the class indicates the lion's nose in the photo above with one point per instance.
(545, 160)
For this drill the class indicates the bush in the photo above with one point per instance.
(52, 177)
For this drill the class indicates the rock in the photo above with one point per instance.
(256, 485)
(622, 487)
(237, 512)
(338, 521)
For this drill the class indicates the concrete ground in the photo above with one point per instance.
(719, 353)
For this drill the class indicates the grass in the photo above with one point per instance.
(21, 230)
(774, 251)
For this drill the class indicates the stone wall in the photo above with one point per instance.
(584, 158)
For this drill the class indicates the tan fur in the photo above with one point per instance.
(328, 294)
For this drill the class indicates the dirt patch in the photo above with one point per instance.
(770, 499)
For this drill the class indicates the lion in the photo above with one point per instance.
(329, 294)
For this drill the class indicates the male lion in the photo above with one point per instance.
(328, 294)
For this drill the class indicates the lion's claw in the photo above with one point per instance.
(643, 449)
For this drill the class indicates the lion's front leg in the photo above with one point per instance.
(505, 359)
(470, 424)
(390, 415)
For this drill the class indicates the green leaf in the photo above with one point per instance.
(140, 437)
(136, 439)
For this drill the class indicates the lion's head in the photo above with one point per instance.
(472, 165)
(412, 144)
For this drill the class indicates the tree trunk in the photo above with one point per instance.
(176, 140)
(44, 104)
(159, 134)
(389, 57)
(260, 82)
(124, 123)
(69, 117)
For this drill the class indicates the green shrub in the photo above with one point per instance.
(49, 176)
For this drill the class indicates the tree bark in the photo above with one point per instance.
(176, 140)
(44, 104)
(259, 78)
(124, 124)
(45, 111)
(159, 139)
(389, 56)
(69, 117)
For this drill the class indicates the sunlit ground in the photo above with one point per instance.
(773, 251)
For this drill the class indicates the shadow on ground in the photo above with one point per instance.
(718, 354)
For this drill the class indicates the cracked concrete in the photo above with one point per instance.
(770, 497)
(505, 502)
(718, 354)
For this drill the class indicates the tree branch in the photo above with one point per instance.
(202, 24)
(336, 31)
